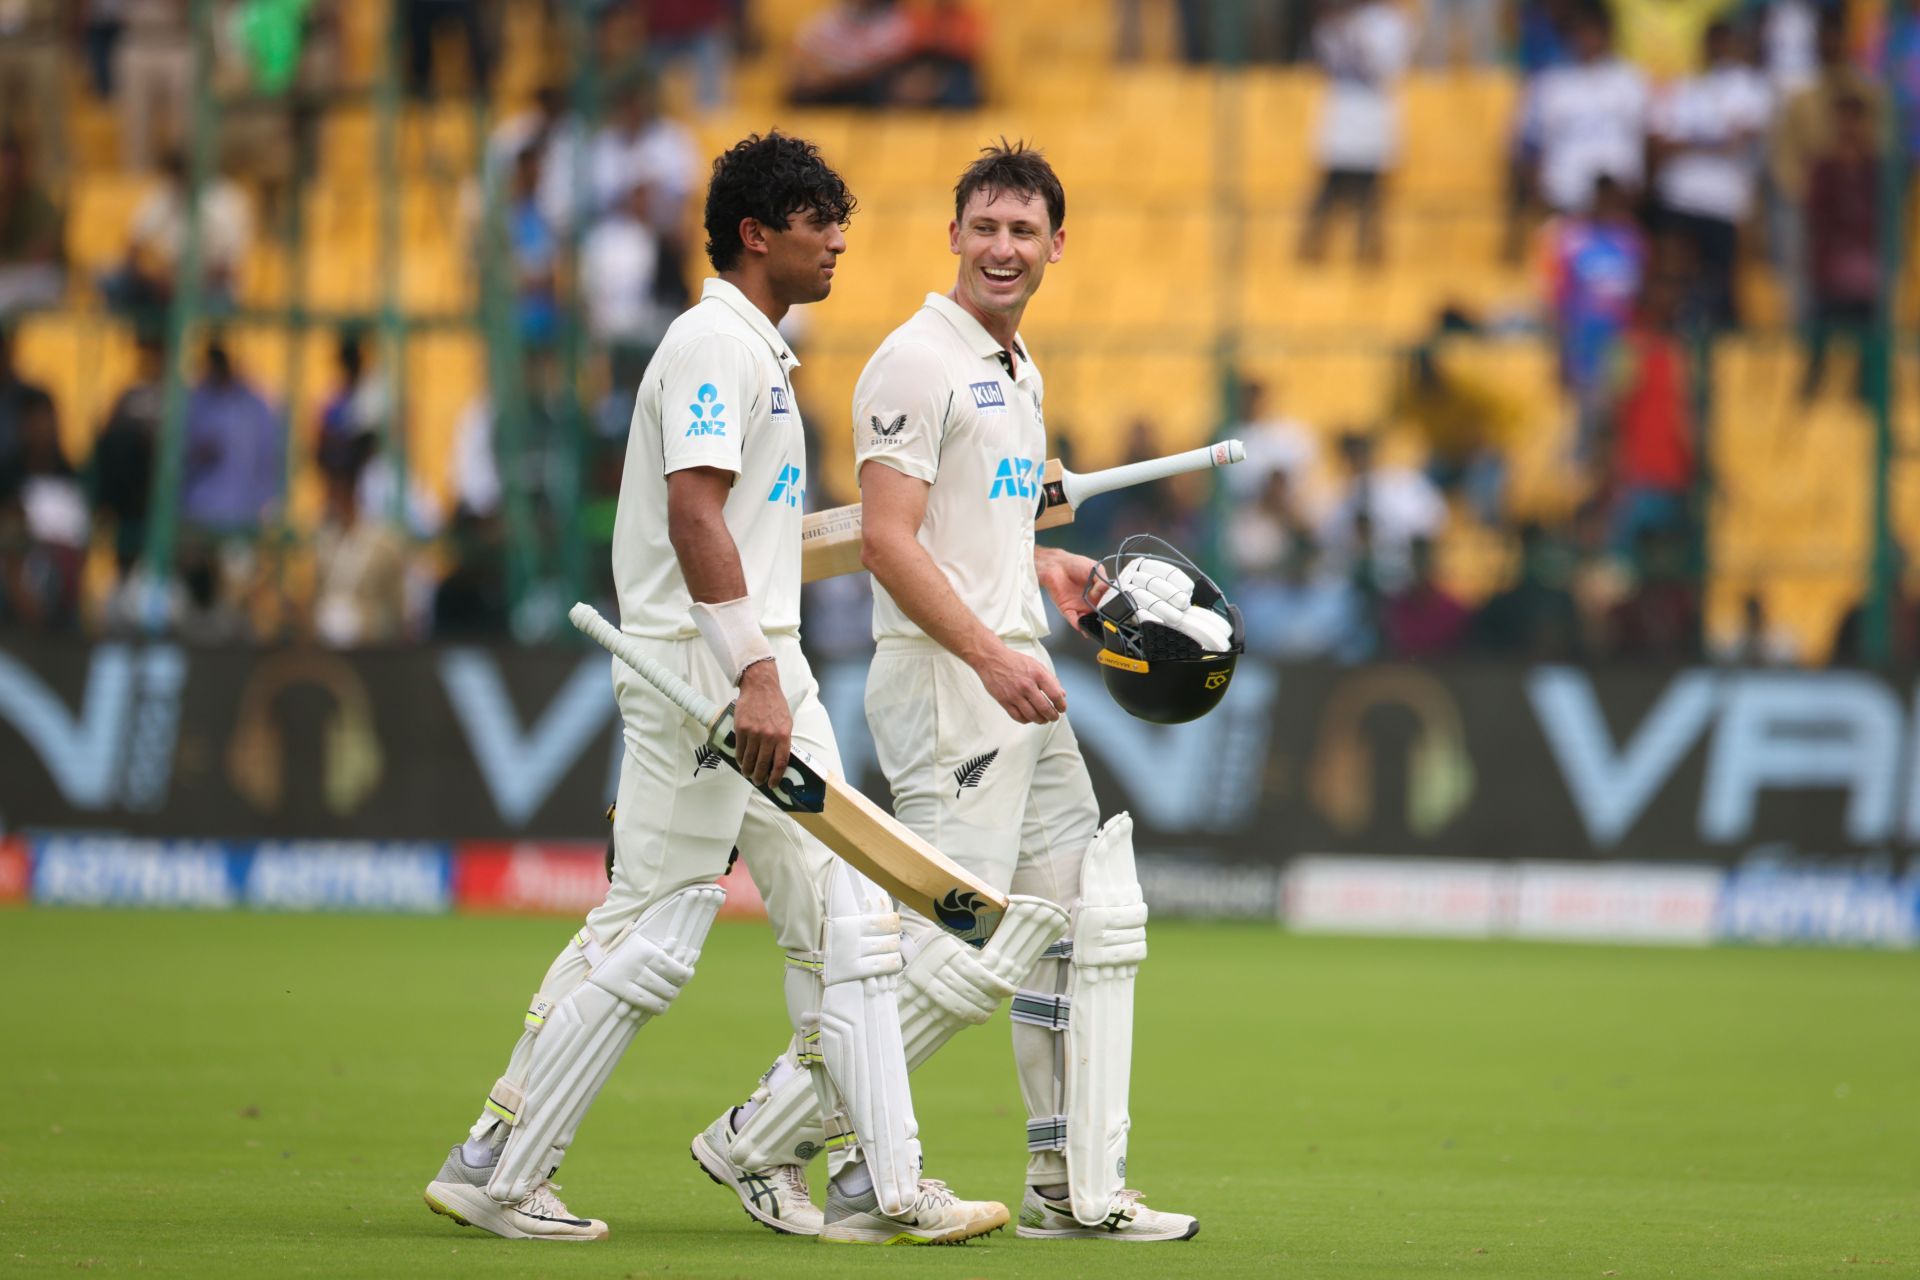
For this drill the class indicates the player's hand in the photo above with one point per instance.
(762, 725)
(1063, 576)
(1022, 685)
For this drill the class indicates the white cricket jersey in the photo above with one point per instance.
(717, 393)
(936, 402)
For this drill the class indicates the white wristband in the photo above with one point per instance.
(733, 633)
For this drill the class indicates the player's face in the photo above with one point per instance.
(1004, 245)
(800, 259)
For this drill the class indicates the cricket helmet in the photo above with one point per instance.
(1169, 640)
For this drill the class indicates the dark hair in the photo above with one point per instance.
(1016, 167)
(769, 180)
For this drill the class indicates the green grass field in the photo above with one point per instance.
(213, 1095)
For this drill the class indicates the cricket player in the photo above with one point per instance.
(968, 720)
(706, 559)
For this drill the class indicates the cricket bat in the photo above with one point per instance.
(841, 818)
(830, 540)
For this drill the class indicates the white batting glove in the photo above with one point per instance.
(1163, 593)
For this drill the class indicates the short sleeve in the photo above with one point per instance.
(705, 392)
(900, 410)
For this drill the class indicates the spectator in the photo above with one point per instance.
(1654, 454)
(33, 77)
(1305, 611)
(1362, 46)
(1384, 510)
(1660, 620)
(1843, 250)
(1759, 642)
(1423, 620)
(1467, 426)
(1587, 119)
(943, 69)
(1664, 37)
(32, 272)
(1275, 442)
(618, 262)
(100, 33)
(1803, 133)
(848, 55)
(146, 280)
(1901, 58)
(233, 469)
(697, 31)
(19, 400)
(470, 602)
(361, 561)
(424, 19)
(1459, 31)
(1259, 534)
(534, 251)
(43, 514)
(1707, 132)
(121, 470)
(153, 79)
(1594, 264)
(640, 147)
(1544, 41)
(1535, 619)
(356, 408)
(1789, 41)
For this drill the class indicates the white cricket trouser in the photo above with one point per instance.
(1010, 802)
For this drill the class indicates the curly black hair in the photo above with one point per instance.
(769, 179)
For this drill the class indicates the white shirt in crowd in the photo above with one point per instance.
(1589, 120)
(936, 403)
(1403, 505)
(618, 260)
(1364, 51)
(1791, 36)
(1718, 119)
(717, 393)
(226, 225)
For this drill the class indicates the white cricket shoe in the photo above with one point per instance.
(1127, 1218)
(460, 1192)
(936, 1216)
(777, 1198)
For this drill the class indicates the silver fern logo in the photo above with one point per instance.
(887, 430)
(970, 773)
(705, 756)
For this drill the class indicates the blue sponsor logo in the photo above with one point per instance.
(706, 410)
(779, 400)
(988, 395)
(1013, 478)
(790, 488)
(300, 875)
(1788, 901)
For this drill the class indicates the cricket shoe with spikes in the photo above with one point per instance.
(1128, 1218)
(460, 1192)
(777, 1198)
(936, 1216)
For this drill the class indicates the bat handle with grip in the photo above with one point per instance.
(621, 645)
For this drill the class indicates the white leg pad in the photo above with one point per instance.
(859, 1028)
(581, 1037)
(946, 985)
(1109, 942)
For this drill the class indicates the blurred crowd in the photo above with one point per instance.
(1660, 147)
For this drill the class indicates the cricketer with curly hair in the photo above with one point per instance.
(706, 559)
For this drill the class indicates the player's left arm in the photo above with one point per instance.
(1063, 576)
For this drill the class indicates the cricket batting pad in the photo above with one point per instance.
(585, 1032)
(947, 985)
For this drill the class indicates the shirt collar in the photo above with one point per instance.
(973, 333)
(730, 295)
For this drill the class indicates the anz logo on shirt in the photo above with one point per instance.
(988, 395)
(790, 488)
(1013, 478)
(706, 411)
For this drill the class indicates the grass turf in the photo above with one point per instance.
(214, 1095)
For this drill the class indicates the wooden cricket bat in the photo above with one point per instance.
(830, 540)
(841, 818)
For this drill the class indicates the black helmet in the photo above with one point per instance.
(1153, 670)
